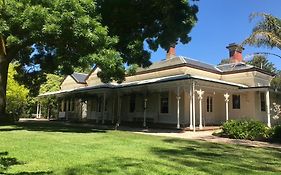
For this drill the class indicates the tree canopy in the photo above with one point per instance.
(267, 32)
(262, 62)
(59, 35)
(157, 23)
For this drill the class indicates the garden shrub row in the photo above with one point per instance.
(250, 130)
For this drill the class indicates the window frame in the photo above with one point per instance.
(132, 97)
(234, 105)
(210, 104)
(167, 96)
(262, 102)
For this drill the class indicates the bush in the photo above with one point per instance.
(275, 133)
(245, 129)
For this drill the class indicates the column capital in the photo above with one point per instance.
(226, 96)
(200, 94)
(178, 97)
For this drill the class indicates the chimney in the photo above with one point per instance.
(171, 53)
(235, 53)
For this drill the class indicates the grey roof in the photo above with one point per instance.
(79, 77)
(234, 67)
(179, 60)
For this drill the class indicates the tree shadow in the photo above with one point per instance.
(123, 165)
(215, 158)
(52, 127)
(7, 162)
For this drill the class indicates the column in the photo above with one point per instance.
(103, 110)
(193, 105)
(226, 96)
(119, 108)
(144, 112)
(200, 97)
(37, 110)
(268, 108)
(113, 112)
(40, 110)
(190, 107)
(178, 108)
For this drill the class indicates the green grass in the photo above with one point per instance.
(38, 149)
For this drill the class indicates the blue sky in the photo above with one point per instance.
(221, 22)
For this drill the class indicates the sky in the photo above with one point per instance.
(221, 22)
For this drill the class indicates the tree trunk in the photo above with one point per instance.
(4, 65)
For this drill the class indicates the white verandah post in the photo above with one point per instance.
(144, 112)
(268, 108)
(178, 108)
(200, 97)
(190, 107)
(193, 105)
(226, 96)
(37, 110)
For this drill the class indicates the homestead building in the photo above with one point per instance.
(177, 91)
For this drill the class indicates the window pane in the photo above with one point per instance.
(164, 103)
(236, 101)
(263, 104)
(132, 103)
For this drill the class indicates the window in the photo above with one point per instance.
(164, 102)
(209, 104)
(72, 105)
(99, 104)
(69, 105)
(132, 103)
(263, 104)
(236, 101)
(64, 105)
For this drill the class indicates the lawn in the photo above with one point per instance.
(58, 149)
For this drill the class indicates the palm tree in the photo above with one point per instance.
(267, 32)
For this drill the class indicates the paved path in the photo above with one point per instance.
(207, 136)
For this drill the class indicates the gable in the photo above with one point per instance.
(92, 78)
(70, 83)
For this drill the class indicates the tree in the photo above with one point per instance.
(47, 36)
(59, 35)
(262, 62)
(267, 32)
(159, 23)
(17, 94)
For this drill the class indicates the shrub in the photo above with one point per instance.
(245, 129)
(276, 133)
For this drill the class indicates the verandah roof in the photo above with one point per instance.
(143, 82)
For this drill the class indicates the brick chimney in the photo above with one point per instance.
(171, 53)
(235, 53)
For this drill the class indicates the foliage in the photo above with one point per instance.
(17, 95)
(262, 62)
(276, 82)
(70, 149)
(267, 32)
(276, 109)
(156, 23)
(245, 129)
(276, 133)
(224, 61)
(49, 104)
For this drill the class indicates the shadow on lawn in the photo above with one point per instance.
(7, 162)
(52, 127)
(215, 158)
(118, 165)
